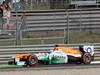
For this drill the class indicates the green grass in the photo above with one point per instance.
(74, 38)
(37, 7)
(7, 42)
(31, 42)
(85, 37)
(42, 41)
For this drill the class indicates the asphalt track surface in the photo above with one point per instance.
(61, 69)
(48, 67)
(92, 71)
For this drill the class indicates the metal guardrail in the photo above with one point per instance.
(75, 18)
(59, 20)
(6, 52)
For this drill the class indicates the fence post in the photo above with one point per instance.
(31, 4)
(80, 20)
(21, 37)
(42, 41)
(65, 35)
(67, 26)
(16, 24)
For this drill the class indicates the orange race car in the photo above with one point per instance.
(60, 54)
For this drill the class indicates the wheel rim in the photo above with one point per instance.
(86, 58)
(33, 61)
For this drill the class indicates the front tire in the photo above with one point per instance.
(32, 60)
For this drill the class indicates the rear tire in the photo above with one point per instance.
(86, 58)
(32, 60)
(47, 62)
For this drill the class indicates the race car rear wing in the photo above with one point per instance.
(89, 49)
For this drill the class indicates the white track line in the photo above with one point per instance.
(95, 62)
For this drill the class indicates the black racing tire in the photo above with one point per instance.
(46, 63)
(86, 58)
(10, 62)
(32, 61)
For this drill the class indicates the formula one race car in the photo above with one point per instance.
(60, 54)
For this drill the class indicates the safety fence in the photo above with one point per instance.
(74, 18)
(38, 4)
(54, 26)
(6, 52)
(52, 4)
